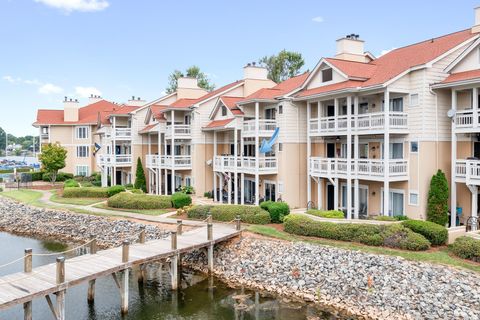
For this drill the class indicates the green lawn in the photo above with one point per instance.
(78, 201)
(437, 256)
(23, 195)
(150, 212)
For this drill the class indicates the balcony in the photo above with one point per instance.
(366, 169)
(122, 133)
(468, 171)
(266, 165)
(183, 162)
(44, 136)
(119, 160)
(465, 121)
(181, 131)
(266, 127)
(368, 123)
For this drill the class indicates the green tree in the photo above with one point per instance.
(437, 205)
(2, 140)
(192, 72)
(53, 159)
(283, 66)
(140, 180)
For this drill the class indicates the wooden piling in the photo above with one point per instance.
(124, 289)
(91, 283)
(210, 247)
(60, 309)
(174, 262)
(27, 268)
(238, 222)
(141, 268)
(179, 227)
(142, 235)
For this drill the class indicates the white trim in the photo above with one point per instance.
(402, 191)
(317, 68)
(360, 186)
(87, 132)
(410, 100)
(410, 192)
(462, 55)
(87, 153)
(82, 166)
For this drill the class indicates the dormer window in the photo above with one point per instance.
(327, 75)
(224, 111)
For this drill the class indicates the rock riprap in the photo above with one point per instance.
(62, 225)
(359, 284)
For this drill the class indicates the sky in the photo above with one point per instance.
(119, 48)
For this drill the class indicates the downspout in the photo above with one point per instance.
(436, 124)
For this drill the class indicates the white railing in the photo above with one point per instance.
(367, 121)
(363, 168)
(123, 133)
(181, 130)
(266, 127)
(110, 159)
(464, 119)
(180, 162)
(468, 170)
(244, 164)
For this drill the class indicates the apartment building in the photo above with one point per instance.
(180, 152)
(75, 128)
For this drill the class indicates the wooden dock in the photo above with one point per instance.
(55, 278)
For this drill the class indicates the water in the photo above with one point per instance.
(200, 297)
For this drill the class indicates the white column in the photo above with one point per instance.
(213, 165)
(319, 193)
(229, 188)
(257, 154)
(386, 155)
(235, 177)
(242, 176)
(453, 189)
(173, 151)
(349, 157)
(335, 194)
(158, 174)
(356, 194)
(475, 106)
(114, 153)
(309, 154)
(474, 190)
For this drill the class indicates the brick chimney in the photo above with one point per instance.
(70, 109)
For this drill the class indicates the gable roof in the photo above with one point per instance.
(231, 103)
(217, 124)
(455, 78)
(86, 115)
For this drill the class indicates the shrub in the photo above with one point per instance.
(127, 200)
(113, 190)
(137, 191)
(332, 214)
(437, 204)
(140, 180)
(436, 234)
(187, 189)
(384, 218)
(199, 212)
(61, 176)
(129, 186)
(466, 248)
(248, 214)
(208, 195)
(401, 218)
(88, 192)
(1, 189)
(70, 183)
(86, 184)
(96, 183)
(180, 199)
(277, 210)
(37, 176)
(395, 236)
(96, 176)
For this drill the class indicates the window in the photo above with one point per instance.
(224, 111)
(270, 194)
(413, 146)
(81, 171)
(44, 130)
(82, 151)
(280, 109)
(395, 203)
(188, 181)
(413, 198)
(280, 187)
(396, 150)
(414, 100)
(82, 132)
(396, 104)
(280, 147)
(187, 119)
(270, 113)
(327, 75)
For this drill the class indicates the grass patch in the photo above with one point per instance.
(23, 195)
(76, 201)
(437, 256)
(150, 212)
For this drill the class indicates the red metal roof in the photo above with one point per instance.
(157, 111)
(219, 123)
(330, 88)
(231, 103)
(147, 128)
(462, 76)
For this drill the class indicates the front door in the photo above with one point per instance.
(330, 150)
(476, 149)
(270, 191)
(118, 177)
(330, 197)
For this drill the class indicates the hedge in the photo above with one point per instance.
(127, 200)
(37, 176)
(331, 214)
(277, 210)
(436, 234)
(180, 200)
(466, 248)
(199, 211)
(394, 236)
(61, 176)
(113, 190)
(88, 192)
(248, 214)
(70, 183)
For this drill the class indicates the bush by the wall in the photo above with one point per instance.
(88, 192)
(437, 203)
(129, 186)
(277, 210)
(199, 212)
(70, 183)
(37, 175)
(466, 248)
(137, 191)
(248, 214)
(208, 195)
(113, 190)
(97, 183)
(61, 176)
(436, 234)
(180, 200)
(127, 200)
(394, 236)
(140, 180)
(331, 214)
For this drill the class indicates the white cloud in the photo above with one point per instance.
(49, 88)
(10, 79)
(318, 19)
(76, 5)
(85, 92)
(385, 51)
